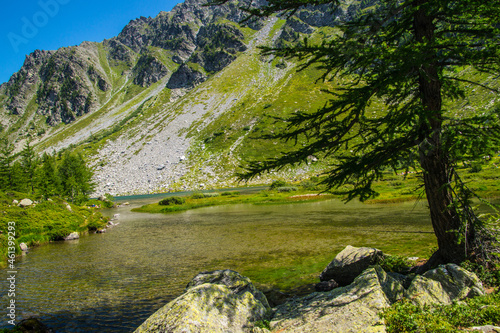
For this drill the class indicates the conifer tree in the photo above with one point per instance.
(406, 54)
(75, 177)
(6, 162)
(29, 164)
(48, 182)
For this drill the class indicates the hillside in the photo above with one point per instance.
(173, 102)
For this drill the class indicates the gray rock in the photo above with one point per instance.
(443, 285)
(353, 308)
(186, 77)
(237, 283)
(485, 329)
(349, 263)
(148, 70)
(227, 305)
(25, 203)
(72, 236)
(23, 247)
(326, 285)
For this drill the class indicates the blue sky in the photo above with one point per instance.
(28, 25)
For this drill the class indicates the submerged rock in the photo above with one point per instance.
(32, 325)
(220, 301)
(353, 308)
(349, 263)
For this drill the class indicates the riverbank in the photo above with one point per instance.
(35, 222)
(200, 200)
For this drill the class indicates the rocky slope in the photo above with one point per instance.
(168, 103)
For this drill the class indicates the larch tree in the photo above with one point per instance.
(407, 54)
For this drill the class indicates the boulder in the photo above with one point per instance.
(72, 236)
(25, 203)
(15, 202)
(443, 285)
(237, 283)
(349, 263)
(220, 301)
(23, 247)
(353, 308)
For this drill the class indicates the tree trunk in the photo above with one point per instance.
(434, 160)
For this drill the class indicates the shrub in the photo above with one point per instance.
(230, 194)
(396, 264)
(277, 183)
(490, 277)
(308, 185)
(211, 195)
(197, 195)
(403, 316)
(287, 189)
(475, 167)
(172, 201)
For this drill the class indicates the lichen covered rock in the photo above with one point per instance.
(209, 305)
(443, 285)
(237, 283)
(353, 308)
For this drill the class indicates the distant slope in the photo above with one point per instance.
(177, 101)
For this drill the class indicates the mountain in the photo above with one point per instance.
(176, 101)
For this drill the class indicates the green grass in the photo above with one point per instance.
(405, 317)
(261, 198)
(44, 222)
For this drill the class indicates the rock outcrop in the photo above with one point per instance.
(353, 308)
(186, 77)
(148, 70)
(220, 301)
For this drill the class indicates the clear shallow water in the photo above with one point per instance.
(112, 282)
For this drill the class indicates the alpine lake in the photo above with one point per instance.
(112, 282)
